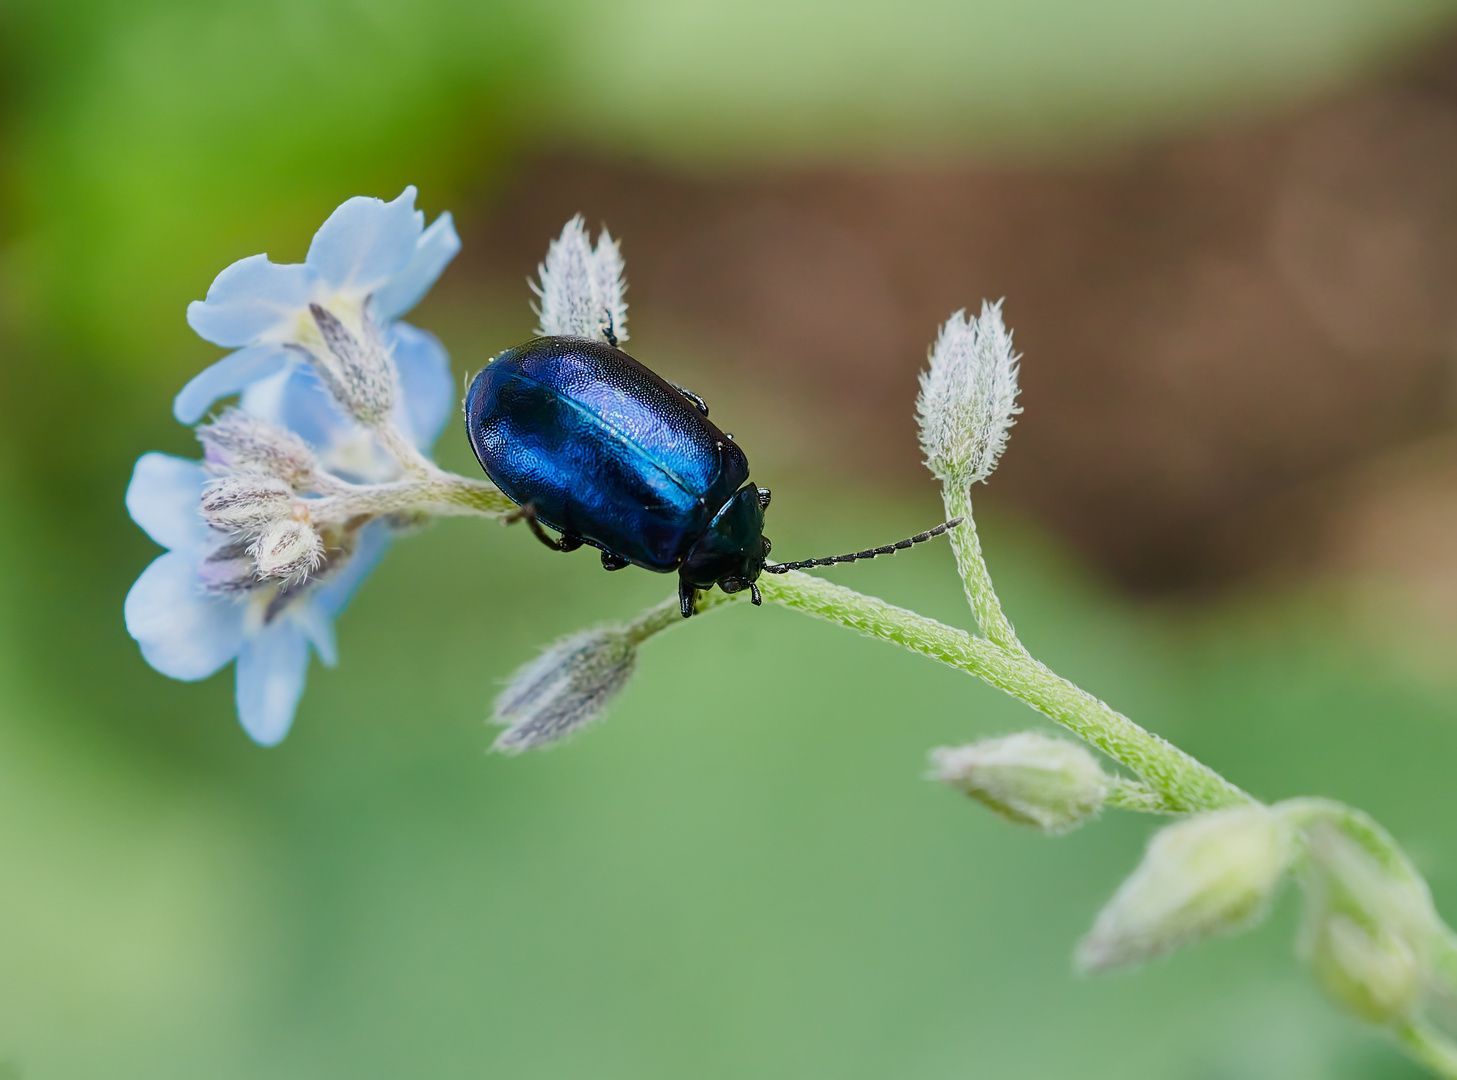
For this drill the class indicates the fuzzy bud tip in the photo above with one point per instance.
(1212, 873)
(289, 549)
(1369, 930)
(246, 504)
(1367, 970)
(357, 369)
(1027, 778)
(564, 689)
(968, 397)
(238, 442)
(582, 287)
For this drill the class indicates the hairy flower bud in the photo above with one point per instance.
(1369, 929)
(246, 504)
(357, 371)
(1213, 873)
(582, 289)
(1369, 971)
(968, 397)
(239, 442)
(289, 549)
(564, 689)
(1028, 778)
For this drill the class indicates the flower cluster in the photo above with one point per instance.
(324, 458)
(301, 484)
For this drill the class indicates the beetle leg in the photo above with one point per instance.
(697, 402)
(755, 597)
(687, 594)
(613, 562)
(527, 513)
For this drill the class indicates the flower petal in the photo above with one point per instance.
(162, 498)
(183, 632)
(271, 669)
(318, 627)
(366, 242)
(436, 247)
(297, 399)
(250, 298)
(231, 374)
(426, 384)
(331, 596)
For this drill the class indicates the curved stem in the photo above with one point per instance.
(1429, 1047)
(1359, 826)
(1183, 783)
(406, 452)
(972, 567)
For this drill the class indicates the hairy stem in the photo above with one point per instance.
(975, 576)
(1429, 1047)
(404, 451)
(1137, 795)
(1183, 783)
(435, 492)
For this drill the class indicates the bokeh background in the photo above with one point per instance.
(1227, 238)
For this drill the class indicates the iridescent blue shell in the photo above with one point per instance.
(603, 449)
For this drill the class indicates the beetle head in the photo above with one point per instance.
(731, 551)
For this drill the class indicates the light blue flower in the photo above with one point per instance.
(368, 254)
(198, 606)
(201, 604)
(297, 399)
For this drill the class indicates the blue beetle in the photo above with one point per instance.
(587, 440)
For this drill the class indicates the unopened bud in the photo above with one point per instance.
(1369, 928)
(357, 371)
(582, 287)
(289, 549)
(564, 689)
(1214, 873)
(246, 504)
(968, 397)
(239, 442)
(1368, 970)
(1028, 778)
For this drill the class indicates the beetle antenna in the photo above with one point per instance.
(868, 553)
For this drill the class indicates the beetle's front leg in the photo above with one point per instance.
(687, 595)
(527, 513)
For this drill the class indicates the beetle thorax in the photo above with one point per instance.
(731, 551)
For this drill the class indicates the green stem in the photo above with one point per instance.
(1184, 783)
(658, 618)
(441, 493)
(1429, 1047)
(975, 576)
(1357, 825)
(1137, 795)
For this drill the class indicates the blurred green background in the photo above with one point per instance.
(741, 873)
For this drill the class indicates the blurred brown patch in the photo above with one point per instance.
(1208, 324)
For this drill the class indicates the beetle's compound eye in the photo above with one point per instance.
(731, 584)
(764, 498)
(768, 547)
